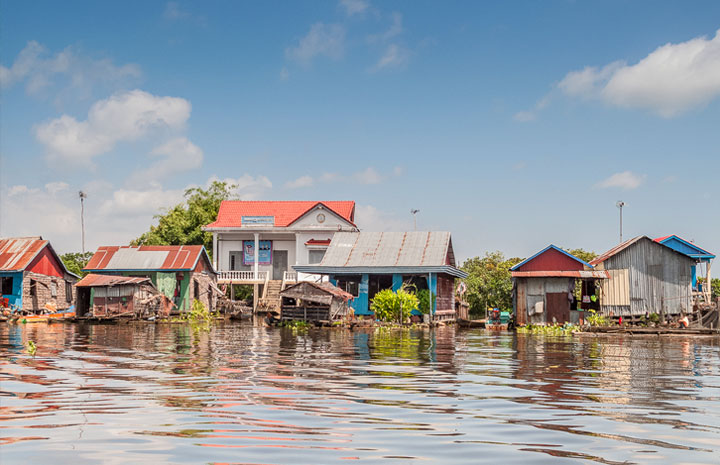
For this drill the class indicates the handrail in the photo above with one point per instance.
(244, 275)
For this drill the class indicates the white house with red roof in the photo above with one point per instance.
(260, 241)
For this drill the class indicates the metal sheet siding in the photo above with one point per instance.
(660, 280)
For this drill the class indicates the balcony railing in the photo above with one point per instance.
(243, 276)
(290, 277)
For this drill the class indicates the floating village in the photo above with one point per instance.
(307, 261)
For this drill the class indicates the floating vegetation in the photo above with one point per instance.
(550, 330)
(31, 348)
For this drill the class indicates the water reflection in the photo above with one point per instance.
(245, 394)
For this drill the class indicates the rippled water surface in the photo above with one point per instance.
(144, 393)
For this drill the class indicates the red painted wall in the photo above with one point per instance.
(45, 263)
(552, 260)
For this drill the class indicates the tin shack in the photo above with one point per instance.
(182, 273)
(364, 263)
(317, 302)
(33, 277)
(645, 277)
(108, 296)
(554, 286)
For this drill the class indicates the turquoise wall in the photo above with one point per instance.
(16, 297)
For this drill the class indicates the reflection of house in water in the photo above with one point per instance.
(544, 287)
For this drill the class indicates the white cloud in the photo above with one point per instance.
(531, 115)
(395, 29)
(122, 117)
(368, 176)
(176, 156)
(74, 73)
(330, 177)
(112, 216)
(354, 7)
(394, 56)
(322, 40)
(671, 80)
(284, 74)
(302, 181)
(370, 218)
(399, 170)
(624, 180)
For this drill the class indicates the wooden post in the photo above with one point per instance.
(708, 283)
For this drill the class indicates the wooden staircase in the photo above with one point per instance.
(270, 300)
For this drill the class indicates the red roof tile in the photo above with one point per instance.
(147, 257)
(285, 212)
(318, 242)
(16, 253)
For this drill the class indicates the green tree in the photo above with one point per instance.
(76, 261)
(181, 225)
(582, 254)
(489, 282)
(715, 286)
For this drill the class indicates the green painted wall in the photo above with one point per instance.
(165, 283)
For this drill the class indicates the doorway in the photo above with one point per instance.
(83, 301)
(558, 307)
(279, 264)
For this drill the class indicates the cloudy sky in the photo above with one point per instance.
(511, 124)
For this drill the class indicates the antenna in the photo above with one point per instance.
(414, 212)
(620, 204)
(82, 196)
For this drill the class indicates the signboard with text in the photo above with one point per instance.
(258, 221)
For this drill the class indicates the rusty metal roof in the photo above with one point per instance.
(147, 257)
(16, 253)
(99, 280)
(388, 252)
(595, 274)
(325, 287)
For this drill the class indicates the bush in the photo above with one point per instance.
(595, 319)
(424, 299)
(393, 306)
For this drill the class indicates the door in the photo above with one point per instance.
(279, 264)
(558, 307)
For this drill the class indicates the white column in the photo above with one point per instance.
(216, 260)
(257, 254)
(298, 248)
(708, 282)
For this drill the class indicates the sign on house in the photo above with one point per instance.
(258, 220)
(264, 256)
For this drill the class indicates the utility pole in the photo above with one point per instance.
(620, 204)
(83, 196)
(414, 213)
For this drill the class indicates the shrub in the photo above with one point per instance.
(424, 299)
(595, 319)
(393, 306)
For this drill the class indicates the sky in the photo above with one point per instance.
(513, 125)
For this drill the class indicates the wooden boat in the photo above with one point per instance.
(45, 317)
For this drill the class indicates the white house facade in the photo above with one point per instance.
(260, 241)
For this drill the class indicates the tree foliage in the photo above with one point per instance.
(582, 254)
(715, 286)
(76, 261)
(181, 225)
(489, 283)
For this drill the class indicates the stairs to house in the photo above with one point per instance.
(271, 297)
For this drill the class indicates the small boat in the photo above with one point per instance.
(45, 317)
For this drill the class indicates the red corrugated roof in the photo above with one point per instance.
(561, 274)
(318, 242)
(285, 212)
(97, 280)
(176, 257)
(16, 253)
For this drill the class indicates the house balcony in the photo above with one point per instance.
(243, 277)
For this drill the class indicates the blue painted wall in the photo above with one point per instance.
(361, 303)
(16, 297)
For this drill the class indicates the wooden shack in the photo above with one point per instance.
(311, 301)
(103, 296)
(554, 286)
(645, 277)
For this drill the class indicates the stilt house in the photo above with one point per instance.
(32, 276)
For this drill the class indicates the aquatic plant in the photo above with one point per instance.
(549, 330)
(596, 319)
(31, 348)
(393, 306)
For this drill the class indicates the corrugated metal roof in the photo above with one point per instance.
(561, 274)
(326, 287)
(617, 249)
(697, 252)
(98, 280)
(147, 257)
(16, 253)
(284, 212)
(389, 249)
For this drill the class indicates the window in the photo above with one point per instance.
(68, 291)
(232, 262)
(53, 289)
(6, 285)
(315, 256)
(33, 288)
(196, 289)
(350, 284)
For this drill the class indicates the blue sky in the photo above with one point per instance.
(511, 124)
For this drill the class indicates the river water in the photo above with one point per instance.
(144, 393)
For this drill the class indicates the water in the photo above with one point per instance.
(144, 393)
